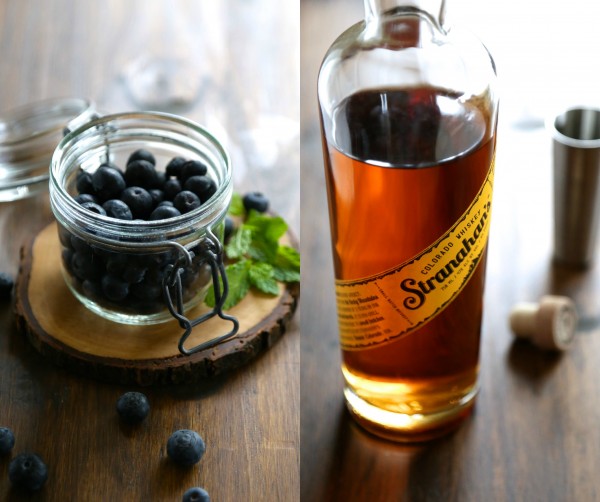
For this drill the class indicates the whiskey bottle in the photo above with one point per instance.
(408, 115)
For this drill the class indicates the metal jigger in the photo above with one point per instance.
(576, 153)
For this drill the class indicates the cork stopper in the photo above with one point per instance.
(550, 325)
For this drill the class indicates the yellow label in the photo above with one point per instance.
(379, 309)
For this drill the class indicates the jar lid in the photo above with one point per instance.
(28, 136)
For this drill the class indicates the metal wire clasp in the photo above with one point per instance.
(211, 252)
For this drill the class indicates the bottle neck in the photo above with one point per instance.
(375, 10)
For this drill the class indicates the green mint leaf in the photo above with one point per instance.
(239, 243)
(236, 208)
(288, 256)
(261, 277)
(265, 227)
(263, 250)
(283, 275)
(238, 278)
(286, 266)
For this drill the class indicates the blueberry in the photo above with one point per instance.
(161, 178)
(79, 245)
(134, 273)
(142, 154)
(108, 182)
(116, 208)
(67, 259)
(116, 263)
(147, 290)
(164, 213)
(157, 196)
(141, 173)
(196, 494)
(114, 289)
(192, 168)
(133, 407)
(174, 167)
(7, 440)
(139, 201)
(27, 471)
(229, 227)
(168, 203)
(185, 447)
(256, 201)
(84, 182)
(86, 266)
(94, 208)
(91, 289)
(6, 286)
(186, 201)
(171, 188)
(64, 236)
(86, 197)
(203, 186)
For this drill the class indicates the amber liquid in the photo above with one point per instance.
(402, 167)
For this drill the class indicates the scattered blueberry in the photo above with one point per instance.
(7, 440)
(94, 208)
(186, 201)
(6, 286)
(164, 212)
(27, 471)
(116, 208)
(192, 168)
(139, 201)
(185, 447)
(141, 173)
(107, 182)
(133, 407)
(196, 494)
(256, 201)
(142, 154)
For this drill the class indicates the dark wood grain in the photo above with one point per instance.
(249, 418)
(534, 431)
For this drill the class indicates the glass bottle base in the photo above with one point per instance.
(409, 427)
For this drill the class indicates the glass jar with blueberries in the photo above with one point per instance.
(140, 200)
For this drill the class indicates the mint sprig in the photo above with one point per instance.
(255, 257)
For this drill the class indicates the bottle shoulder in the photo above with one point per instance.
(405, 54)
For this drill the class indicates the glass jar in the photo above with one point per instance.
(139, 271)
(28, 136)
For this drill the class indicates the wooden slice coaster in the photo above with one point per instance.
(72, 336)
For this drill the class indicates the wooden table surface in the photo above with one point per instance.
(237, 51)
(535, 432)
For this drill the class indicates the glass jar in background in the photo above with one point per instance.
(122, 269)
(409, 110)
(28, 136)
